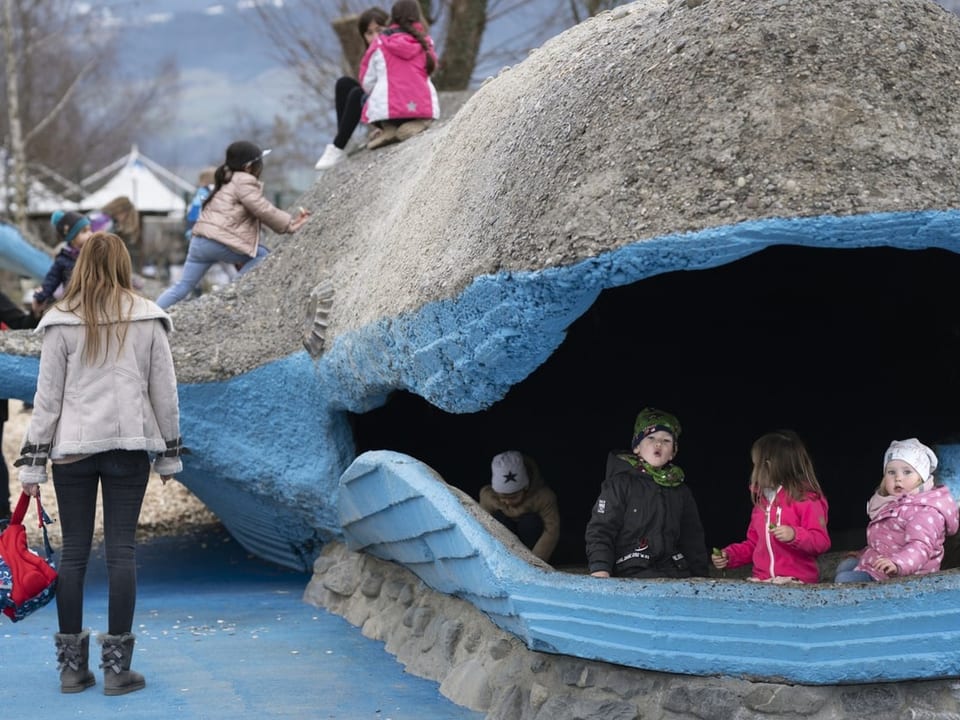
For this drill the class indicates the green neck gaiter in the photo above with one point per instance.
(669, 475)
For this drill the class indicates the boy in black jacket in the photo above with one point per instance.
(645, 523)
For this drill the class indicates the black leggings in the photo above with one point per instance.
(349, 102)
(122, 475)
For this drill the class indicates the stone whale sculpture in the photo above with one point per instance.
(659, 137)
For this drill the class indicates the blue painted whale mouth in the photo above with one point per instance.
(850, 345)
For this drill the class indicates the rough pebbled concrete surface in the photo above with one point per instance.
(656, 118)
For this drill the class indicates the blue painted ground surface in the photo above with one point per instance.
(220, 635)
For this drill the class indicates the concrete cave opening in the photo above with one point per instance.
(850, 348)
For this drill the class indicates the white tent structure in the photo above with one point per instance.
(139, 178)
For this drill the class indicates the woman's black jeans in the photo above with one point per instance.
(122, 475)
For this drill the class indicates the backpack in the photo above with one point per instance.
(27, 581)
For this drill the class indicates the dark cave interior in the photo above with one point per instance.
(850, 348)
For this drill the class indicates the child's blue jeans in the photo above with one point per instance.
(202, 253)
(847, 574)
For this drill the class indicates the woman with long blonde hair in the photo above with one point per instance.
(106, 399)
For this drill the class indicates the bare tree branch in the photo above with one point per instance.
(56, 65)
(67, 96)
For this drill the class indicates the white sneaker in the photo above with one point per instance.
(331, 156)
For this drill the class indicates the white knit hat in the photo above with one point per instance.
(508, 473)
(915, 453)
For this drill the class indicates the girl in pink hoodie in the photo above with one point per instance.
(909, 518)
(395, 73)
(788, 525)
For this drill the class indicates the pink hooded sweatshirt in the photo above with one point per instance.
(393, 73)
(909, 530)
(774, 559)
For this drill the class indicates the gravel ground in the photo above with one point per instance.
(168, 510)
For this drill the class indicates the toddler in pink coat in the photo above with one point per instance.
(788, 525)
(909, 518)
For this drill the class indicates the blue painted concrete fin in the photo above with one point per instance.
(398, 509)
(19, 256)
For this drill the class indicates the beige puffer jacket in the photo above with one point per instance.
(127, 403)
(233, 215)
(538, 499)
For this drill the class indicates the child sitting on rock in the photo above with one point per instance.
(395, 74)
(909, 518)
(73, 230)
(521, 501)
(349, 95)
(645, 523)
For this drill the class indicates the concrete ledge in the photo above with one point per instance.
(482, 667)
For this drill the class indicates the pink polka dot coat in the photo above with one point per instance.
(910, 531)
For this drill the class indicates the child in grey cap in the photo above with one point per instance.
(521, 501)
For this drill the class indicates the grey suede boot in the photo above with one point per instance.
(116, 653)
(73, 652)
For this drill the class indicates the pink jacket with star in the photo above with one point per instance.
(772, 558)
(910, 530)
(393, 73)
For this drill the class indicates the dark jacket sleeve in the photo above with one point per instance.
(52, 281)
(605, 522)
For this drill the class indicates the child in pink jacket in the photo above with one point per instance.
(788, 525)
(909, 518)
(395, 74)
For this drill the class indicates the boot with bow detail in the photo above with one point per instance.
(73, 652)
(116, 654)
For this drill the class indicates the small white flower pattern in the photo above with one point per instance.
(910, 531)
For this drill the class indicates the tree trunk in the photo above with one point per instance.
(465, 26)
(351, 42)
(17, 150)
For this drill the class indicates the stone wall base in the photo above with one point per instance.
(481, 667)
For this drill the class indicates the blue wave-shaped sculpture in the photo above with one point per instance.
(396, 508)
(19, 256)
(270, 446)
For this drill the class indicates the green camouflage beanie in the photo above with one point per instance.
(650, 420)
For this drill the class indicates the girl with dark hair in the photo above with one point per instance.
(349, 95)
(395, 73)
(106, 399)
(228, 229)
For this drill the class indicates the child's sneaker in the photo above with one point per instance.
(331, 156)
